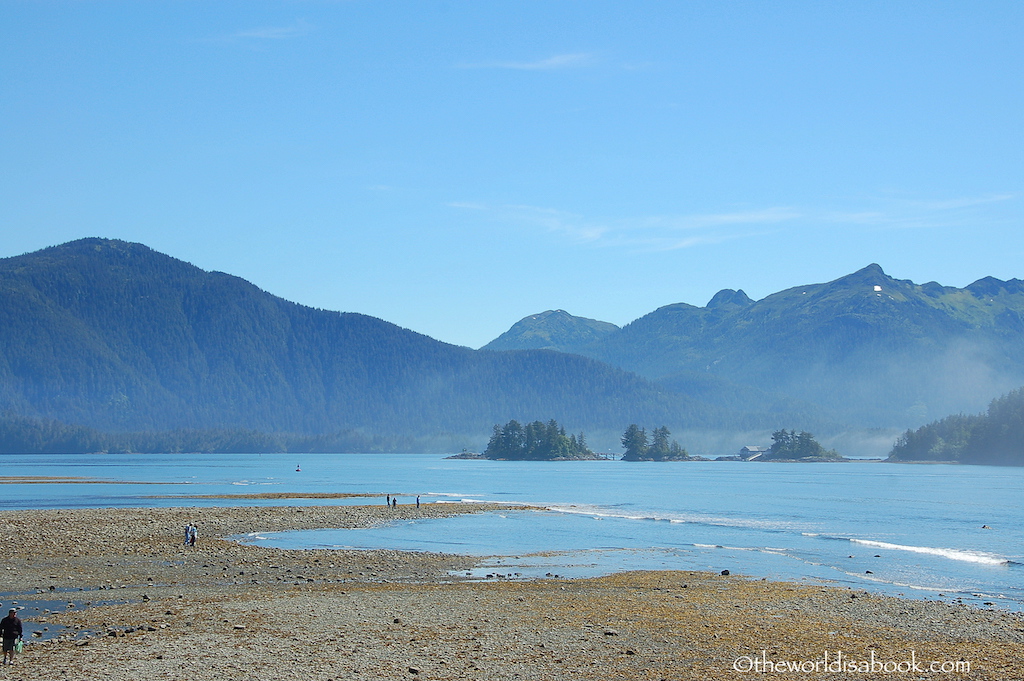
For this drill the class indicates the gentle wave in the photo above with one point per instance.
(952, 554)
(902, 585)
(673, 518)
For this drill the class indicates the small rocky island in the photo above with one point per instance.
(634, 440)
(536, 441)
(464, 454)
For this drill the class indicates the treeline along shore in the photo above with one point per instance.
(223, 610)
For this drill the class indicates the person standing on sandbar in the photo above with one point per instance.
(10, 632)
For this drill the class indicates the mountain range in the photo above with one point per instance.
(865, 349)
(114, 336)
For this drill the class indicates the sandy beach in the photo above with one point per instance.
(221, 610)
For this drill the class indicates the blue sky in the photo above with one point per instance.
(455, 166)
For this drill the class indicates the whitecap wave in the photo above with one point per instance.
(964, 555)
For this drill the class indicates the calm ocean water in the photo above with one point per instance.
(897, 529)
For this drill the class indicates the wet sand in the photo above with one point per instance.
(221, 610)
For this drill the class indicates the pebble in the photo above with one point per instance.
(199, 626)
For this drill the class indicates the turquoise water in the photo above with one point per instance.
(915, 530)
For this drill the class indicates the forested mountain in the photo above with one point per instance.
(995, 437)
(99, 337)
(865, 349)
(115, 336)
(552, 330)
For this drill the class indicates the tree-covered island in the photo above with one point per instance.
(637, 447)
(536, 441)
(789, 445)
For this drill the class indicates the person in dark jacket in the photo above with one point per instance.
(10, 632)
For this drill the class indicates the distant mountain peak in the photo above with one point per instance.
(872, 274)
(98, 245)
(990, 286)
(728, 298)
(551, 330)
(550, 313)
(874, 268)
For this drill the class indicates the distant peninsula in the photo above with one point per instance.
(993, 438)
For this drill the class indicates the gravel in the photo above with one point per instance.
(221, 610)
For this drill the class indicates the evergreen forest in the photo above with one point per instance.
(117, 338)
(995, 437)
(789, 445)
(536, 441)
(107, 345)
(659, 448)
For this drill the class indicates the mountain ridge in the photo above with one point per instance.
(113, 335)
(865, 348)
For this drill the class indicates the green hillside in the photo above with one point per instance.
(995, 437)
(117, 337)
(866, 349)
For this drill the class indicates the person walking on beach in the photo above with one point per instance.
(394, 502)
(10, 632)
(188, 533)
(417, 501)
(193, 535)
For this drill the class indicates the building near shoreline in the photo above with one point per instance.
(750, 452)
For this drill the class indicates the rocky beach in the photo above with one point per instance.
(144, 606)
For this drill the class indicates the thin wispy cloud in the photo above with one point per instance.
(659, 233)
(648, 233)
(571, 224)
(708, 239)
(298, 29)
(901, 213)
(965, 202)
(550, 219)
(468, 205)
(558, 61)
(747, 217)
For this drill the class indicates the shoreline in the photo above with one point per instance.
(219, 609)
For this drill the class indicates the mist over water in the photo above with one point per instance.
(891, 528)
